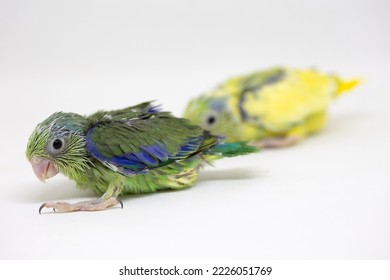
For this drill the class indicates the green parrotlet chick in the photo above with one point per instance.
(138, 149)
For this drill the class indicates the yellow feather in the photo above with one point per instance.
(344, 86)
(289, 102)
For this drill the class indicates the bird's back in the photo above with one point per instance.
(279, 98)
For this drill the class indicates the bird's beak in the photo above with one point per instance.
(43, 168)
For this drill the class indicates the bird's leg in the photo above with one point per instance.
(276, 142)
(107, 200)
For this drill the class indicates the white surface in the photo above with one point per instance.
(327, 198)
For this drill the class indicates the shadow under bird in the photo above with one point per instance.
(138, 149)
(276, 107)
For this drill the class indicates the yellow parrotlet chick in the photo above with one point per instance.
(273, 108)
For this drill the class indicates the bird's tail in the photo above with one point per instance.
(345, 85)
(230, 149)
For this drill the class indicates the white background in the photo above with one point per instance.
(327, 198)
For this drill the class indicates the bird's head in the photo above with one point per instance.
(213, 114)
(58, 145)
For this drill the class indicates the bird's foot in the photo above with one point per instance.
(91, 205)
(276, 142)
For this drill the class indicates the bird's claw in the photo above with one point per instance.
(120, 202)
(52, 205)
(92, 205)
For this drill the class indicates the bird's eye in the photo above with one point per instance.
(57, 144)
(210, 120)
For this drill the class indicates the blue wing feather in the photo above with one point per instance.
(145, 158)
(157, 151)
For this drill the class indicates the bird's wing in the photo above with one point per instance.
(142, 110)
(137, 145)
(287, 99)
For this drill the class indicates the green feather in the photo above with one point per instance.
(231, 149)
